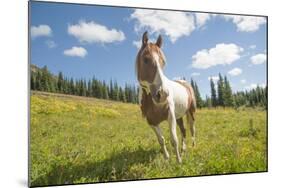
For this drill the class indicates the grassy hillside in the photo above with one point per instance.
(79, 140)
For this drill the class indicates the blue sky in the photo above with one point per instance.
(86, 41)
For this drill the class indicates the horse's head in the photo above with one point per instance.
(150, 60)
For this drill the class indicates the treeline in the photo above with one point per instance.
(43, 80)
(223, 95)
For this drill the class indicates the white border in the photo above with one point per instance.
(14, 93)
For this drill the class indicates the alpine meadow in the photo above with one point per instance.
(80, 139)
(122, 93)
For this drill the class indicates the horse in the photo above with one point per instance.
(163, 99)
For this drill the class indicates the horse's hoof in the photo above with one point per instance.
(183, 149)
(179, 160)
(166, 156)
(193, 144)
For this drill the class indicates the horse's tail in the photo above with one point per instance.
(191, 99)
(192, 107)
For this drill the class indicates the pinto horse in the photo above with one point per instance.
(161, 98)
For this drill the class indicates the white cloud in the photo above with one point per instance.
(51, 44)
(41, 30)
(263, 85)
(76, 51)
(243, 81)
(258, 59)
(221, 54)
(214, 78)
(137, 44)
(177, 78)
(235, 72)
(91, 32)
(252, 46)
(254, 85)
(195, 74)
(171, 23)
(202, 18)
(246, 23)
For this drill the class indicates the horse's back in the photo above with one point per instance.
(189, 94)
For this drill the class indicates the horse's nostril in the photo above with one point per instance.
(158, 95)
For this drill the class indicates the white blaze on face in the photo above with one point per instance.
(160, 79)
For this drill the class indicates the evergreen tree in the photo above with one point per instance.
(213, 93)
(72, 87)
(38, 81)
(111, 90)
(208, 102)
(60, 82)
(122, 95)
(199, 101)
(221, 90)
(32, 81)
(105, 90)
(115, 92)
(228, 100)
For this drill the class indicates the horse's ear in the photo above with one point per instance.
(159, 41)
(144, 38)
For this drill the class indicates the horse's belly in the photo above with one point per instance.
(180, 109)
(180, 97)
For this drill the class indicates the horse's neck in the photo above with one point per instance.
(154, 114)
(161, 78)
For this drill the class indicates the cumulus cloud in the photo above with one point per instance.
(258, 59)
(252, 46)
(76, 51)
(221, 54)
(246, 23)
(214, 78)
(51, 44)
(195, 74)
(178, 78)
(171, 23)
(137, 44)
(255, 85)
(92, 32)
(243, 81)
(40, 31)
(201, 19)
(235, 72)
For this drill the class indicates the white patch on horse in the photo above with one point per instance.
(177, 92)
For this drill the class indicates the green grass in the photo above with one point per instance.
(80, 140)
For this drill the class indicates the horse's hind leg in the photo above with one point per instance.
(191, 126)
(161, 140)
(183, 133)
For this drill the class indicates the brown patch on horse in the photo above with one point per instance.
(154, 114)
(191, 100)
(146, 68)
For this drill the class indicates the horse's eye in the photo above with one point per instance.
(146, 60)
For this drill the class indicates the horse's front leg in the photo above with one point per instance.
(173, 131)
(161, 140)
